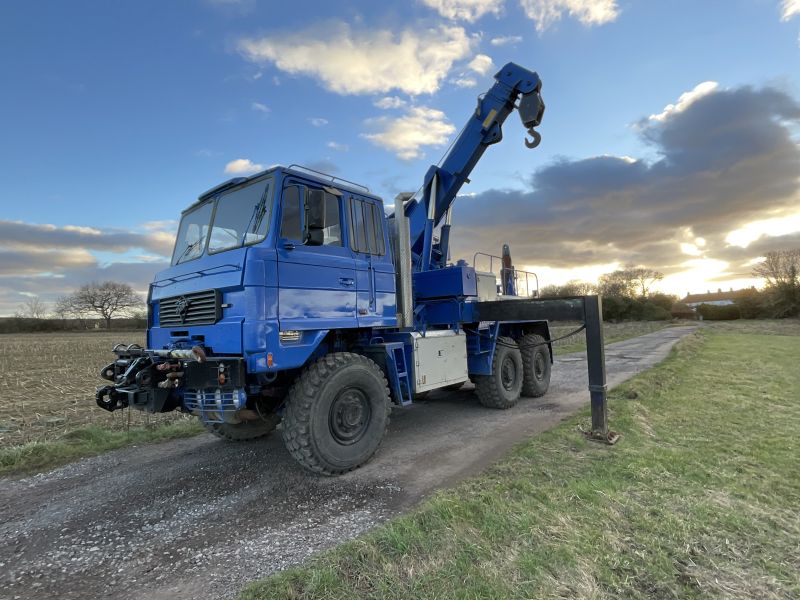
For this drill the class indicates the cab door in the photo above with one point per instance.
(317, 284)
(375, 282)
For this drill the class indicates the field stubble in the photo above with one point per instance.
(47, 384)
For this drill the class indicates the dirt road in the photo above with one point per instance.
(199, 518)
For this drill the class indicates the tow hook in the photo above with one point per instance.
(537, 138)
(108, 399)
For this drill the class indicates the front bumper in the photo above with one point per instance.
(213, 388)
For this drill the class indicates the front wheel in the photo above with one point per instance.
(336, 413)
(502, 388)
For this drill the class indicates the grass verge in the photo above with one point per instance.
(88, 441)
(699, 499)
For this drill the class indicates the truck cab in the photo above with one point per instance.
(253, 276)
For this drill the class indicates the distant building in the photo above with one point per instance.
(718, 298)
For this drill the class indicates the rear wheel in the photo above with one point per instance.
(502, 388)
(336, 413)
(535, 365)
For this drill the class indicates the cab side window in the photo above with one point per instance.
(333, 222)
(366, 227)
(292, 218)
(291, 223)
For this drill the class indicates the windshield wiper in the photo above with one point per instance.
(189, 248)
(259, 210)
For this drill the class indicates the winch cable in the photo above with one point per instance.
(533, 345)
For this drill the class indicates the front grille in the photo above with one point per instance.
(215, 405)
(196, 308)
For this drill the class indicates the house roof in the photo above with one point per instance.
(716, 296)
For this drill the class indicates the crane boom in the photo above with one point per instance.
(484, 128)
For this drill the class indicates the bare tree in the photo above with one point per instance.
(781, 271)
(781, 267)
(629, 282)
(573, 287)
(619, 284)
(644, 278)
(106, 299)
(65, 308)
(32, 308)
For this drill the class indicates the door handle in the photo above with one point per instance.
(288, 245)
(347, 281)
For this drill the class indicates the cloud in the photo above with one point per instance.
(48, 260)
(338, 147)
(587, 12)
(725, 160)
(505, 40)
(388, 102)
(465, 82)
(37, 261)
(481, 64)
(19, 235)
(789, 9)
(368, 61)
(406, 135)
(243, 166)
(258, 107)
(686, 99)
(465, 10)
(317, 121)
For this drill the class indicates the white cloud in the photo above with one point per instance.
(465, 10)
(317, 121)
(243, 166)
(390, 102)
(686, 99)
(258, 107)
(690, 249)
(588, 12)
(481, 64)
(775, 227)
(365, 61)
(465, 82)
(789, 9)
(405, 136)
(338, 147)
(505, 40)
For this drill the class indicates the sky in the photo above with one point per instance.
(671, 137)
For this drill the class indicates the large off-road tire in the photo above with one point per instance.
(336, 413)
(502, 388)
(535, 365)
(246, 430)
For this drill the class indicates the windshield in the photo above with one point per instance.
(192, 234)
(241, 218)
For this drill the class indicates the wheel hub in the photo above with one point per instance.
(349, 416)
(508, 373)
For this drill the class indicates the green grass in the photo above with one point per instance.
(698, 499)
(88, 441)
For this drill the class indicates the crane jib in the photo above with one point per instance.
(514, 87)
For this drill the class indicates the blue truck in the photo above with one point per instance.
(292, 297)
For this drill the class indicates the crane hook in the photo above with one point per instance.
(537, 138)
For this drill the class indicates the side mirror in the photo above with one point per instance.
(315, 217)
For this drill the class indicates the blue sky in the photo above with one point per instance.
(114, 116)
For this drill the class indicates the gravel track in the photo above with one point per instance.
(199, 518)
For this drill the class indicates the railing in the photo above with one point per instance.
(523, 280)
